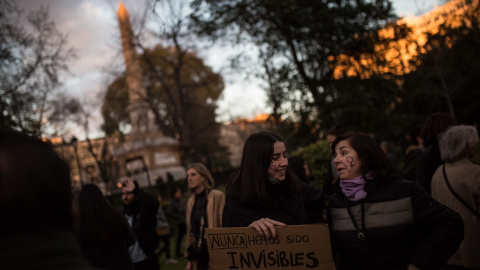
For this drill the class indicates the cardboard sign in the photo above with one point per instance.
(294, 247)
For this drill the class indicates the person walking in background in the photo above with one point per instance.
(204, 210)
(163, 231)
(140, 209)
(263, 193)
(332, 176)
(429, 160)
(36, 230)
(412, 151)
(299, 167)
(102, 231)
(170, 178)
(177, 210)
(378, 220)
(461, 176)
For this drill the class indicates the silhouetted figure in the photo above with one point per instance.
(412, 151)
(140, 209)
(387, 150)
(163, 231)
(103, 232)
(299, 167)
(170, 178)
(159, 181)
(36, 227)
(429, 160)
(177, 210)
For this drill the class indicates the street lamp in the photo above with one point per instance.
(74, 143)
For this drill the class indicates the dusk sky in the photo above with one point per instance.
(92, 29)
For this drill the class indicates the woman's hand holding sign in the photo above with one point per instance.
(265, 226)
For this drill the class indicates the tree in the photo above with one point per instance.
(181, 91)
(297, 40)
(100, 148)
(446, 76)
(318, 155)
(33, 55)
(369, 106)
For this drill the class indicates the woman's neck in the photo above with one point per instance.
(199, 189)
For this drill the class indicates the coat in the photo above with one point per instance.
(305, 208)
(177, 209)
(427, 163)
(144, 221)
(215, 204)
(464, 177)
(402, 225)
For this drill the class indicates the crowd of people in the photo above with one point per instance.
(421, 212)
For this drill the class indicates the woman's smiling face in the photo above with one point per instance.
(279, 163)
(346, 161)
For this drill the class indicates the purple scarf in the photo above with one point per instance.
(354, 189)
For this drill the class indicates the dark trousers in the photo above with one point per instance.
(147, 264)
(166, 246)
(182, 230)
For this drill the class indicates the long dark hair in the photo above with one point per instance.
(35, 185)
(436, 124)
(369, 153)
(250, 185)
(99, 222)
(296, 165)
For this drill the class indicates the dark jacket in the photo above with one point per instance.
(402, 224)
(49, 248)
(144, 221)
(306, 208)
(427, 163)
(177, 210)
(410, 163)
(114, 255)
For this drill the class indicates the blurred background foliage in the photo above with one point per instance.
(317, 156)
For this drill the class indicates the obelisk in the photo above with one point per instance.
(141, 118)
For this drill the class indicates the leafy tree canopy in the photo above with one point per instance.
(296, 40)
(446, 77)
(33, 55)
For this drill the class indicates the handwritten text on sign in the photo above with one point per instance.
(299, 247)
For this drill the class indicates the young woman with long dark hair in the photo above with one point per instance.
(263, 193)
